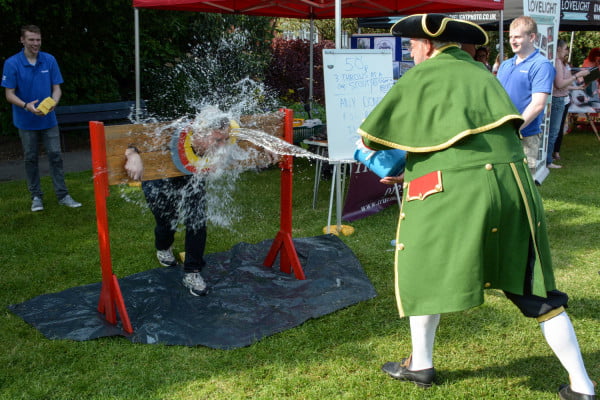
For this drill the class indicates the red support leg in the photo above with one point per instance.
(111, 299)
(283, 243)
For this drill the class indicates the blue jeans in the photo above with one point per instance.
(30, 142)
(556, 114)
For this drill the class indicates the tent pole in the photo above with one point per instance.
(311, 63)
(338, 24)
(336, 179)
(136, 18)
(571, 46)
(501, 37)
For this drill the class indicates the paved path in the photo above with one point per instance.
(73, 161)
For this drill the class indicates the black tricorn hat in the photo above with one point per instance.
(439, 27)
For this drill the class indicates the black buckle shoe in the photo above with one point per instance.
(565, 393)
(399, 370)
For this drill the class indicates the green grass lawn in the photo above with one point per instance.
(487, 352)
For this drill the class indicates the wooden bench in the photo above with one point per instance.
(71, 118)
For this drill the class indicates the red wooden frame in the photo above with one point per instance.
(111, 299)
(283, 243)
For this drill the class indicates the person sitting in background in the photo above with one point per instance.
(591, 61)
(482, 54)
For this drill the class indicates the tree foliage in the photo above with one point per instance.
(288, 72)
(216, 52)
(93, 42)
(583, 42)
(326, 27)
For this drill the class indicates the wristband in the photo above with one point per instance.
(25, 106)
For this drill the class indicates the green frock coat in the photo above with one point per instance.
(470, 206)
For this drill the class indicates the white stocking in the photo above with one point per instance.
(560, 335)
(422, 333)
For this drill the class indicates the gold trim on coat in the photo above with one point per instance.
(436, 188)
(447, 143)
(550, 314)
(442, 27)
(532, 225)
(396, 286)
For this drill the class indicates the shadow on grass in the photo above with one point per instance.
(533, 371)
(345, 349)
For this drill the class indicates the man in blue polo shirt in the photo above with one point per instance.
(528, 78)
(29, 77)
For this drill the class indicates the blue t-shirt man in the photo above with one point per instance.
(535, 74)
(31, 82)
(28, 78)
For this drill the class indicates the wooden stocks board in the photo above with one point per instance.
(153, 141)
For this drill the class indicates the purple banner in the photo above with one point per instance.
(366, 195)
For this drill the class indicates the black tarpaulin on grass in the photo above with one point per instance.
(246, 302)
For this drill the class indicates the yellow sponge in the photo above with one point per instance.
(345, 230)
(46, 105)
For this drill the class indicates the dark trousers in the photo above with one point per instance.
(174, 201)
(533, 306)
(30, 142)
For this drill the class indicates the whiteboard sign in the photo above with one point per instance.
(355, 81)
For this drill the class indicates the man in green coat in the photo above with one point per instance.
(471, 215)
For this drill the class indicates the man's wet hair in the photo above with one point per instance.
(219, 123)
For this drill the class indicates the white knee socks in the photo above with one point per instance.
(560, 335)
(422, 334)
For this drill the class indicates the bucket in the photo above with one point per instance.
(383, 162)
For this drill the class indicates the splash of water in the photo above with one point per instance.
(213, 73)
(274, 144)
(220, 168)
(230, 97)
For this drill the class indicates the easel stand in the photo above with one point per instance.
(283, 243)
(337, 183)
(111, 299)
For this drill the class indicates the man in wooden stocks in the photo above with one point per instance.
(471, 216)
(181, 197)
